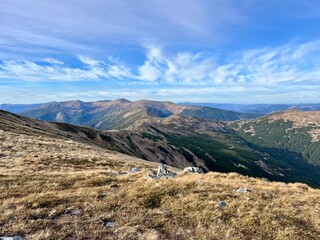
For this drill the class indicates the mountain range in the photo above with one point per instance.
(118, 114)
(261, 109)
(183, 136)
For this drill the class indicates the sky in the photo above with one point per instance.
(222, 51)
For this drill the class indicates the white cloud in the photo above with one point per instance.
(30, 71)
(149, 72)
(89, 61)
(290, 64)
(182, 67)
(22, 70)
(53, 61)
(119, 72)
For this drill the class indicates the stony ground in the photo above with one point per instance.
(60, 189)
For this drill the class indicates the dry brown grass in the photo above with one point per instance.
(57, 189)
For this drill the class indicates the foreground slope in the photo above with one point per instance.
(55, 187)
(118, 114)
(293, 130)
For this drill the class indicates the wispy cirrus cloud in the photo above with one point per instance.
(55, 70)
(290, 64)
(181, 67)
(53, 61)
(21, 70)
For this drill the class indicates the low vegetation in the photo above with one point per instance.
(53, 188)
(295, 131)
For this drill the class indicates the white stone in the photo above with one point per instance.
(193, 170)
(243, 190)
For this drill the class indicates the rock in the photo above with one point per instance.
(243, 190)
(163, 172)
(134, 170)
(193, 170)
(110, 224)
(221, 204)
(75, 212)
(12, 238)
(240, 166)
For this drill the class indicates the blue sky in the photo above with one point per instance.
(226, 51)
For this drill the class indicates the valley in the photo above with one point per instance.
(182, 141)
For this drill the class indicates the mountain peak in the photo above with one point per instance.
(122, 100)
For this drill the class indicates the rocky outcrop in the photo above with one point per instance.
(193, 170)
(12, 238)
(163, 172)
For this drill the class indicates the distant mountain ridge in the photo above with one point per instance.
(120, 113)
(257, 108)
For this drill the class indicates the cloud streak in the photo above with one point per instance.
(290, 64)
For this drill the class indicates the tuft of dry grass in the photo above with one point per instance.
(58, 189)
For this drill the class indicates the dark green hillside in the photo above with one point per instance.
(217, 114)
(229, 153)
(282, 134)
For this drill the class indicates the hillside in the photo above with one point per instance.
(294, 131)
(180, 142)
(119, 114)
(216, 147)
(55, 183)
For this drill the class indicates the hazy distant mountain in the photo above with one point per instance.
(119, 114)
(180, 141)
(18, 108)
(257, 108)
(291, 130)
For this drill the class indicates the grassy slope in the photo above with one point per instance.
(217, 114)
(279, 134)
(224, 152)
(43, 180)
